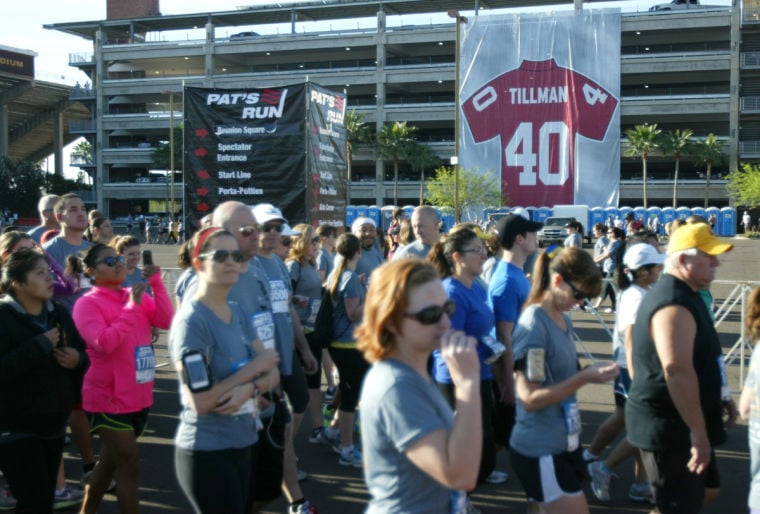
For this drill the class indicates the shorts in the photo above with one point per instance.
(314, 381)
(621, 387)
(294, 386)
(267, 464)
(134, 421)
(676, 489)
(548, 478)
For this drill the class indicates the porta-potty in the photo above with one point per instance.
(596, 215)
(699, 211)
(727, 221)
(542, 213)
(350, 215)
(373, 212)
(614, 212)
(668, 215)
(653, 212)
(682, 213)
(640, 213)
(714, 211)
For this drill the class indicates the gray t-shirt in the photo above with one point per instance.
(399, 407)
(279, 297)
(227, 347)
(308, 284)
(349, 287)
(59, 249)
(369, 260)
(544, 432)
(325, 262)
(415, 249)
(36, 233)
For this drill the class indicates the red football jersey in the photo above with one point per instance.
(537, 110)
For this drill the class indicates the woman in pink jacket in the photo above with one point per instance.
(116, 324)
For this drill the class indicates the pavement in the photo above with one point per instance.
(337, 489)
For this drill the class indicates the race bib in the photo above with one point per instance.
(572, 423)
(263, 327)
(314, 304)
(145, 364)
(279, 297)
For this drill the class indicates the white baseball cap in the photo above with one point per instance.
(287, 230)
(642, 254)
(362, 220)
(265, 212)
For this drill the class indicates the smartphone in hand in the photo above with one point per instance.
(147, 258)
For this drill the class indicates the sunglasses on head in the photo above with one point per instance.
(221, 256)
(111, 260)
(248, 230)
(433, 314)
(268, 227)
(577, 293)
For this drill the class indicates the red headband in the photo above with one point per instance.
(203, 236)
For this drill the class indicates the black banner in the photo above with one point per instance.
(245, 145)
(326, 160)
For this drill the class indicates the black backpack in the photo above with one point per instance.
(323, 324)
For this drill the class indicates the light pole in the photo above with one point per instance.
(453, 13)
(171, 154)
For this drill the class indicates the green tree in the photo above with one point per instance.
(22, 182)
(710, 151)
(161, 156)
(475, 189)
(642, 140)
(82, 152)
(357, 131)
(744, 185)
(393, 142)
(421, 157)
(675, 143)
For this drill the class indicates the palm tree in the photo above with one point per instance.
(393, 142)
(82, 152)
(642, 140)
(421, 157)
(357, 131)
(710, 151)
(676, 143)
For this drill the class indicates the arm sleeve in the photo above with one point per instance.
(100, 335)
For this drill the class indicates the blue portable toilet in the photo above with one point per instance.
(361, 210)
(682, 213)
(668, 214)
(624, 211)
(408, 210)
(542, 213)
(640, 213)
(350, 215)
(656, 211)
(386, 215)
(611, 211)
(373, 212)
(596, 215)
(699, 211)
(531, 212)
(714, 211)
(727, 221)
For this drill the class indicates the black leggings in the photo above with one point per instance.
(487, 401)
(215, 482)
(608, 290)
(351, 367)
(30, 466)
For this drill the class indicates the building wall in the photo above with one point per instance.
(121, 9)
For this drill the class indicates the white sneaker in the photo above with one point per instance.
(641, 492)
(7, 501)
(353, 458)
(600, 480)
(497, 477)
(68, 497)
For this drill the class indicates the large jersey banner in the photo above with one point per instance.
(540, 101)
(252, 145)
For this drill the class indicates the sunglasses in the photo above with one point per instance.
(221, 256)
(577, 293)
(433, 314)
(268, 227)
(111, 260)
(286, 241)
(248, 230)
(314, 240)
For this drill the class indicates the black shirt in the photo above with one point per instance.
(651, 418)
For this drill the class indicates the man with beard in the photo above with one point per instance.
(365, 229)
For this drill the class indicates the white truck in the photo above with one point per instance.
(554, 230)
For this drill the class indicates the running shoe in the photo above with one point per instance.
(353, 458)
(330, 393)
(331, 441)
(68, 497)
(641, 492)
(303, 508)
(600, 480)
(315, 435)
(328, 413)
(7, 501)
(497, 477)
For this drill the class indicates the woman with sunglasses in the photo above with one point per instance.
(347, 294)
(459, 259)
(217, 433)
(545, 444)
(128, 247)
(421, 456)
(42, 360)
(116, 323)
(307, 294)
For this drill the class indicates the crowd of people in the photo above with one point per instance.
(441, 350)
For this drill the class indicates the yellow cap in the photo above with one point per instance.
(699, 236)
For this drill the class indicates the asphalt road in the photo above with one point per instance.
(336, 489)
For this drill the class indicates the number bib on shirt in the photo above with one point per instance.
(314, 304)
(572, 423)
(279, 296)
(145, 364)
(263, 326)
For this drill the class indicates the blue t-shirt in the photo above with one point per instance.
(399, 407)
(544, 432)
(226, 347)
(474, 317)
(507, 292)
